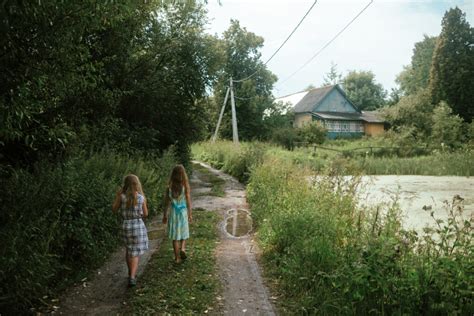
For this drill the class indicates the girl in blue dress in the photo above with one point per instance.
(178, 196)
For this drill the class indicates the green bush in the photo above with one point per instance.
(312, 133)
(447, 128)
(285, 137)
(57, 221)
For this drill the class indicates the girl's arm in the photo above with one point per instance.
(117, 201)
(167, 205)
(188, 202)
(145, 208)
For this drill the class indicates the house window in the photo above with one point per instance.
(344, 127)
(330, 126)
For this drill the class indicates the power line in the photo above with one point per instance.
(284, 42)
(327, 44)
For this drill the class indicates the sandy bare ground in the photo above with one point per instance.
(243, 290)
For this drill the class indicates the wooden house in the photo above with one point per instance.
(330, 106)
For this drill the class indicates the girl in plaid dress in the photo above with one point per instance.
(178, 196)
(132, 204)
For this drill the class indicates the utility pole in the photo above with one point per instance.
(220, 116)
(235, 133)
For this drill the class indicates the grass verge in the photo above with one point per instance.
(188, 288)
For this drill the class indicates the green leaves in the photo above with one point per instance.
(362, 89)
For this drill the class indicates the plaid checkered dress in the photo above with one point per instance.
(134, 231)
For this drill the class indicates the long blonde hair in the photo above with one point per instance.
(178, 180)
(132, 186)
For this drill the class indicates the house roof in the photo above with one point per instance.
(372, 117)
(312, 99)
(292, 99)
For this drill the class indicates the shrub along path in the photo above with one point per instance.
(243, 291)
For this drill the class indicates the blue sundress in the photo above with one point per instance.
(178, 226)
(134, 230)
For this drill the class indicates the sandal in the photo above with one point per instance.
(132, 282)
(182, 254)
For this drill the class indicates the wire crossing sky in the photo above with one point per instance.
(325, 46)
(284, 42)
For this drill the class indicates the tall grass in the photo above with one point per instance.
(228, 157)
(57, 222)
(328, 256)
(439, 164)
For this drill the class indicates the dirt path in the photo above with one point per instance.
(243, 289)
(244, 292)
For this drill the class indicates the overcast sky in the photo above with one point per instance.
(380, 40)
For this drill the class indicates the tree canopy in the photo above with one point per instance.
(362, 89)
(453, 65)
(416, 75)
(90, 73)
(241, 51)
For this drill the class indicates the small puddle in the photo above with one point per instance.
(238, 223)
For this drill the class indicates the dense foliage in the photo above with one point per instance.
(362, 89)
(129, 72)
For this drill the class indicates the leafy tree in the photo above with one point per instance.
(363, 91)
(416, 75)
(54, 59)
(394, 97)
(452, 71)
(332, 77)
(412, 111)
(170, 79)
(241, 50)
(446, 128)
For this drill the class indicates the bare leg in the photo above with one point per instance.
(133, 266)
(127, 259)
(183, 245)
(177, 257)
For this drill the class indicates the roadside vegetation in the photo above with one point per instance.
(368, 156)
(325, 255)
